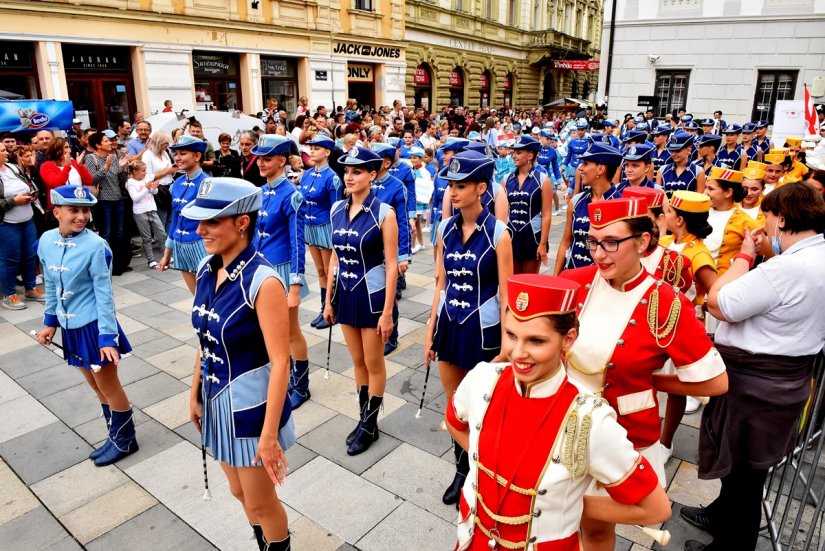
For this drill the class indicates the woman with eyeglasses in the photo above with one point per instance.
(631, 324)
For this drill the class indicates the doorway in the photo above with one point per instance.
(107, 100)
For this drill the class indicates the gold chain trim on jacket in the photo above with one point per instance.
(512, 521)
(503, 481)
(658, 332)
(507, 544)
(672, 271)
(580, 369)
(577, 442)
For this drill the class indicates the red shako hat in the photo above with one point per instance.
(533, 295)
(604, 213)
(654, 197)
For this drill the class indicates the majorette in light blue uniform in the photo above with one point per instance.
(548, 158)
(183, 240)
(391, 191)
(321, 188)
(525, 203)
(403, 172)
(575, 149)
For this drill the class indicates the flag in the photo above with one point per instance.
(811, 118)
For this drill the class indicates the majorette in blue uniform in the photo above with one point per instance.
(235, 365)
(576, 147)
(708, 140)
(391, 191)
(184, 242)
(659, 158)
(321, 187)
(488, 200)
(609, 127)
(279, 237)
(403, 172)
(688, 178)
(525, 202)
(77, 278)
(578, 255)
(765, 143)
(638, 152)
(548, 157)
(452, 145)
(731, 158)
(752, 150)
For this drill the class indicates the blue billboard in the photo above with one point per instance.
(34, 115)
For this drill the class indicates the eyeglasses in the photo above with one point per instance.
(608, 245)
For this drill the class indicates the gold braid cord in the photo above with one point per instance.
(512, 521)
(503, 481)
(580, 369)
(507, 544)
(672, 271)
(577, 442)
(660, 333)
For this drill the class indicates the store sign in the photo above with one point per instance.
(212, 65)
(647, 101)
(15, 57)
(422, 77)
(485, 81)
(576, 65)
(455, 79)
(508, 83)
(366, 50)
(90, 61)
(358, 72)
(275, 68)
(321, 75)
(16, 116)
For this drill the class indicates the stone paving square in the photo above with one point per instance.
(404, 527)
(43, 452)
(156, 529)
(37, 529)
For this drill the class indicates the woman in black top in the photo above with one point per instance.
(249, 165)
(227, 160)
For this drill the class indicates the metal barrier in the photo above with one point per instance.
(795, 490)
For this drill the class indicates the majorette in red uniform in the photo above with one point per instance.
(537, 446)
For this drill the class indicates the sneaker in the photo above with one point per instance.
(425, 229)
(136, 254)
(666, 453)
(692, 405)
(154, 265)
(13, 302)
(556, 212)
(36, 295)
(417, 248)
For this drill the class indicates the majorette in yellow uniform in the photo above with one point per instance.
(627, 335)
(755, 171)
(728, 226)
(662, 263)
(535, 451)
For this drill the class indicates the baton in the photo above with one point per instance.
(33, 333)
(329, 349)
(423, 392)
(662, 537)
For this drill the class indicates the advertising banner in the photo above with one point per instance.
(34, 115)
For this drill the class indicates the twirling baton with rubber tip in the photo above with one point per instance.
(423, 392)
(329, 349)
(33, 333)
(331, 296)
(662, 537)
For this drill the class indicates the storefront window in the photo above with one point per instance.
(18, 73)
(508, 91)
(457, 87)
(99, 83)
(279, 82)
(361, 83)
(484, 89)
(217, 86)
(422, 80)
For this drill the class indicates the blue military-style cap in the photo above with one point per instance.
(361, 156)
(189, 143)
(469, 166)
(582, 124)
(221, 197)
(454, 144)
(707, 122)
(749, 128)
(395, 142)
(643, 126)
(549, 134)
(272, 144)
(416, 151)
(322, 141)
(692, 125)
(384, 150)
(609, 123)
(709, 139)
(661, 130)
(473, 136)
(732, 129)
(686, 118)
(482, 148)
(72, 196)
(762, 124)
(109, 133)
(635, 136)
(602, 154)
(638, 119)
(679, 140)
(600, 137)
(526, 142)
(638, 152)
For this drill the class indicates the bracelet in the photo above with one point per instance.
(746, 258)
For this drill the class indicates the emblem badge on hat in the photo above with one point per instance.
(597, 216)
(353, 152)
(262, 141)
(455, 167)
(206, 187)
(522, 301)
(633, 150)
(80, 192)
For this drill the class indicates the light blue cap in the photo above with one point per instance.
(322, 141)
(472, 136)
(221, 197)
(189, 143)
(582, 124)
(384, 150)
(361, 156)
(72, 196)
(416, 152)
(272, 144)
(454, 144)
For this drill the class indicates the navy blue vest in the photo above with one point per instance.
(525, 203)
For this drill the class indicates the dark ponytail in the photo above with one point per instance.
(696, 223)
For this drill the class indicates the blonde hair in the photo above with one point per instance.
(157, 140)
(135, 166)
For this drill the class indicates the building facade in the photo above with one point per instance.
(735, 56)
(496, 53)
(112, 58)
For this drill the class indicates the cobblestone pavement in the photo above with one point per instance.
(53, 497)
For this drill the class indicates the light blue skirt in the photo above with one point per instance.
(186, 257)
(283, 271)
(218, 437)
(434, 231)
(319, 236)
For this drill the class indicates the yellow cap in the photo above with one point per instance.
(780, 151)
(690, 201)
(794, 141)
(725, 174)
(755, 170)
(774, 158)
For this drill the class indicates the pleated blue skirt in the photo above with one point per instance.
(283, 271)
(81, 350)
(318, 235)
(352, 308)
(218, 437)
(434, 223)
(462, 344)
(186, 257)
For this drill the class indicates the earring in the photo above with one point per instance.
(240, 232)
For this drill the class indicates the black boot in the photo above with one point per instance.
(367, 433)
(298, 389)
(107, 415)
(259, 536)
(462, 467)
(321, 322)
(282, 545)
(363, 400)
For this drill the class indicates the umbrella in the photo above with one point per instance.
(566, 102)
(5, 94)
(214, 122)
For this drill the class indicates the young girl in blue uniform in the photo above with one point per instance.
(494, 197)
(450, 147)
(548, 158)
(280, 238)
(530, 196)
(184, 247)
(77, 274)
(238, 399)
(473, 263)
(680, 173)
(321, 187)
(363, 272)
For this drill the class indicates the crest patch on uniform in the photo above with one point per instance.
(206, 187)
(597, 216)
(455, 166)
(522, 300)
(353, 152)
(80, 192)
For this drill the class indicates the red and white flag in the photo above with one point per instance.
(811, 118)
